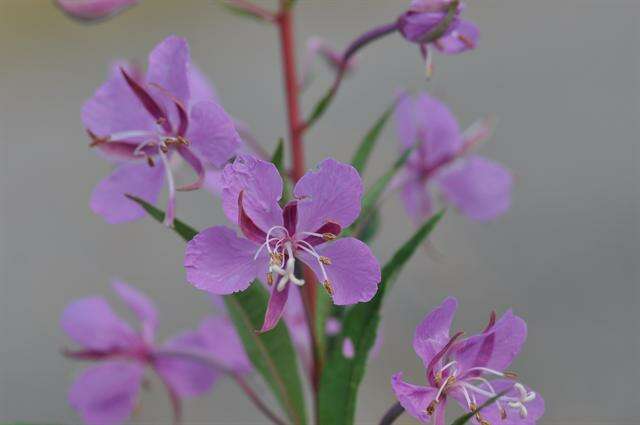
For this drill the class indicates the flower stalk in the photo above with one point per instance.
(287, 41)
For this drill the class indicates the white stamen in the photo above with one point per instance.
(129, 134)
(309, 249)
(170, 214)
(447, 366)
(442, 387)
(486, 370)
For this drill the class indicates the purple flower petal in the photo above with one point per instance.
(415, 399)
(354, 272)
(429, 5)
(90, 10)
(92, 323)
(275, 308)
(262, 186)
(106, 394)
(491, 413)
(200, 86)
(464, 37)
(224, 344)
(432, 334)
(141, 306)
(169, 69)
(416, 26)
(115, 108)
(196, 165)
(139, 179)
(406, 121)
(212, 133)
(332, 193)
(478, 187)
(186, 377)
(220, 262)
(438, 131)
(417, 200)
(496, 348)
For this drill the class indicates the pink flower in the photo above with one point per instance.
(143, 123)
(273, 238)
(478, 187)
(418, 24)
(107, 393)
(470, 371)
(90, 10)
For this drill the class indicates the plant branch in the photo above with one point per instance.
(357, 44)
(246, 388)
(392, 414)
(287, 42)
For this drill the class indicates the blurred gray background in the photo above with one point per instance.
(561, 76)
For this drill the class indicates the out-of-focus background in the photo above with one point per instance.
(561, 76)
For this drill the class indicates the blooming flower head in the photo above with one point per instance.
(425, 17)
(273, 238)
(478, 187)
(469, 371)
(106, 393)
(90, 10)
(143, 123)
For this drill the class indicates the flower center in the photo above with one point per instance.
(282, 248)
(472, 384)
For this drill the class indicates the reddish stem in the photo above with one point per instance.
(285, 25)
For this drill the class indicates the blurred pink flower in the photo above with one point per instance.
(480, 188)
(106, 394)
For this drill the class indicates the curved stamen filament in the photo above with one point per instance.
(487, 370)
(267, 243)
(309, 249)
(443, 386)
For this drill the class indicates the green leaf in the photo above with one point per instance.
(278, 156)
(320, 107)
(241, 12)
(271, 353)
(361, 156)
(342, 376)
(185, 231)
(467, 417)
(373, 194)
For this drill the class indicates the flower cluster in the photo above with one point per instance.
(289, 231)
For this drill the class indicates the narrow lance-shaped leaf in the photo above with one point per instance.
(244, 12)
(271, 353)
(362, 154)
(342, 376)
(278, 157)
(373, 194)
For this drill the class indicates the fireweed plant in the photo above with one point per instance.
(291, 270)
